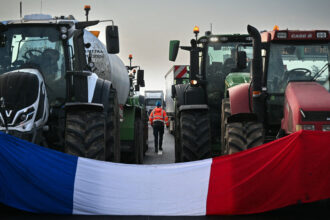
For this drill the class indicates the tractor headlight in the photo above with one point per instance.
(308, 127)
(64, 30)
(64, 36)
(326, 128)
(305, 127)
(194, 82)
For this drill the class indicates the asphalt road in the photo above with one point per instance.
(168, 149)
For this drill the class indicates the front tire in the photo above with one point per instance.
(195, 135)
(112, 129)
(84, 134)
(225, 113)
(177, 146)
(243, 135)
(138, 142)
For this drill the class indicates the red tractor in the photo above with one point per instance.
(289, 90)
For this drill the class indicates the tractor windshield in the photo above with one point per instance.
(292, 62)
(221, 58)
(35, 47)
(219, 62)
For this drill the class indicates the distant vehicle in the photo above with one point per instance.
(151, 97)
(178, 74)
(134, 126)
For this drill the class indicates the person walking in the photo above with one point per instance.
(158, 118)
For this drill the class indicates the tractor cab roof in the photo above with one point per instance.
(42, 19)
(295, 35)
(48, 19)
(223, 38)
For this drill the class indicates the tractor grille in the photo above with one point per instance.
(316, 116)
(18, 90)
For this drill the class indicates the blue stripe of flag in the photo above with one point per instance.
(34, 178)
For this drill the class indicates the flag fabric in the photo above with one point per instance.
(294, 169)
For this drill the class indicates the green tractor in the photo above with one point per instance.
(198, 105)
(134, 125)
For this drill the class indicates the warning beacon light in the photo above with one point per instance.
(87, 8)
(196, 31)
(276, 28)
(130, 56)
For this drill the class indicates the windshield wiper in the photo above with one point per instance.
(320, 71)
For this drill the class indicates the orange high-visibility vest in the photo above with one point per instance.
(158, 114)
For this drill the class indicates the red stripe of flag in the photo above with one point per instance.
(294, 169)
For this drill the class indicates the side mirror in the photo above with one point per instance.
(241, 62)
(3, 40)
(137, 88)
(112, 38)
(174, 48)
(140, 78)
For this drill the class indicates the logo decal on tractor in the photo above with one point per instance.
(8, 113)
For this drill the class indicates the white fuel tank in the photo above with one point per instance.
(108, 66)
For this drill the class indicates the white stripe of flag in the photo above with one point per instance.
(122, 189)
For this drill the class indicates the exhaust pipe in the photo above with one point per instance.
(257, 98)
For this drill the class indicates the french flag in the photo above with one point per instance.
(293, 169)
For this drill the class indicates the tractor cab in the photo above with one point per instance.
(37, 47)
(218, 68)
(291, 56)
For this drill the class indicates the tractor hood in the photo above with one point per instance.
(308, 96)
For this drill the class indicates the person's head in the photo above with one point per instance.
(158, 104)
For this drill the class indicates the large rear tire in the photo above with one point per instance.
(177, 146)
(112, 129)
(195, 135)
(243, 135)
(225, 113)
(138, 142)
(84, 134)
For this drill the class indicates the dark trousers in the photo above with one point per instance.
(158, 127)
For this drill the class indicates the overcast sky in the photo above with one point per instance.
(147, 26)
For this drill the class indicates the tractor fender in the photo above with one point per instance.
(239, 99)
(242, 117)
(189, 95)
(102, 92)
(98, 96)
(178, 92)
(72, 106)
(193, 107)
